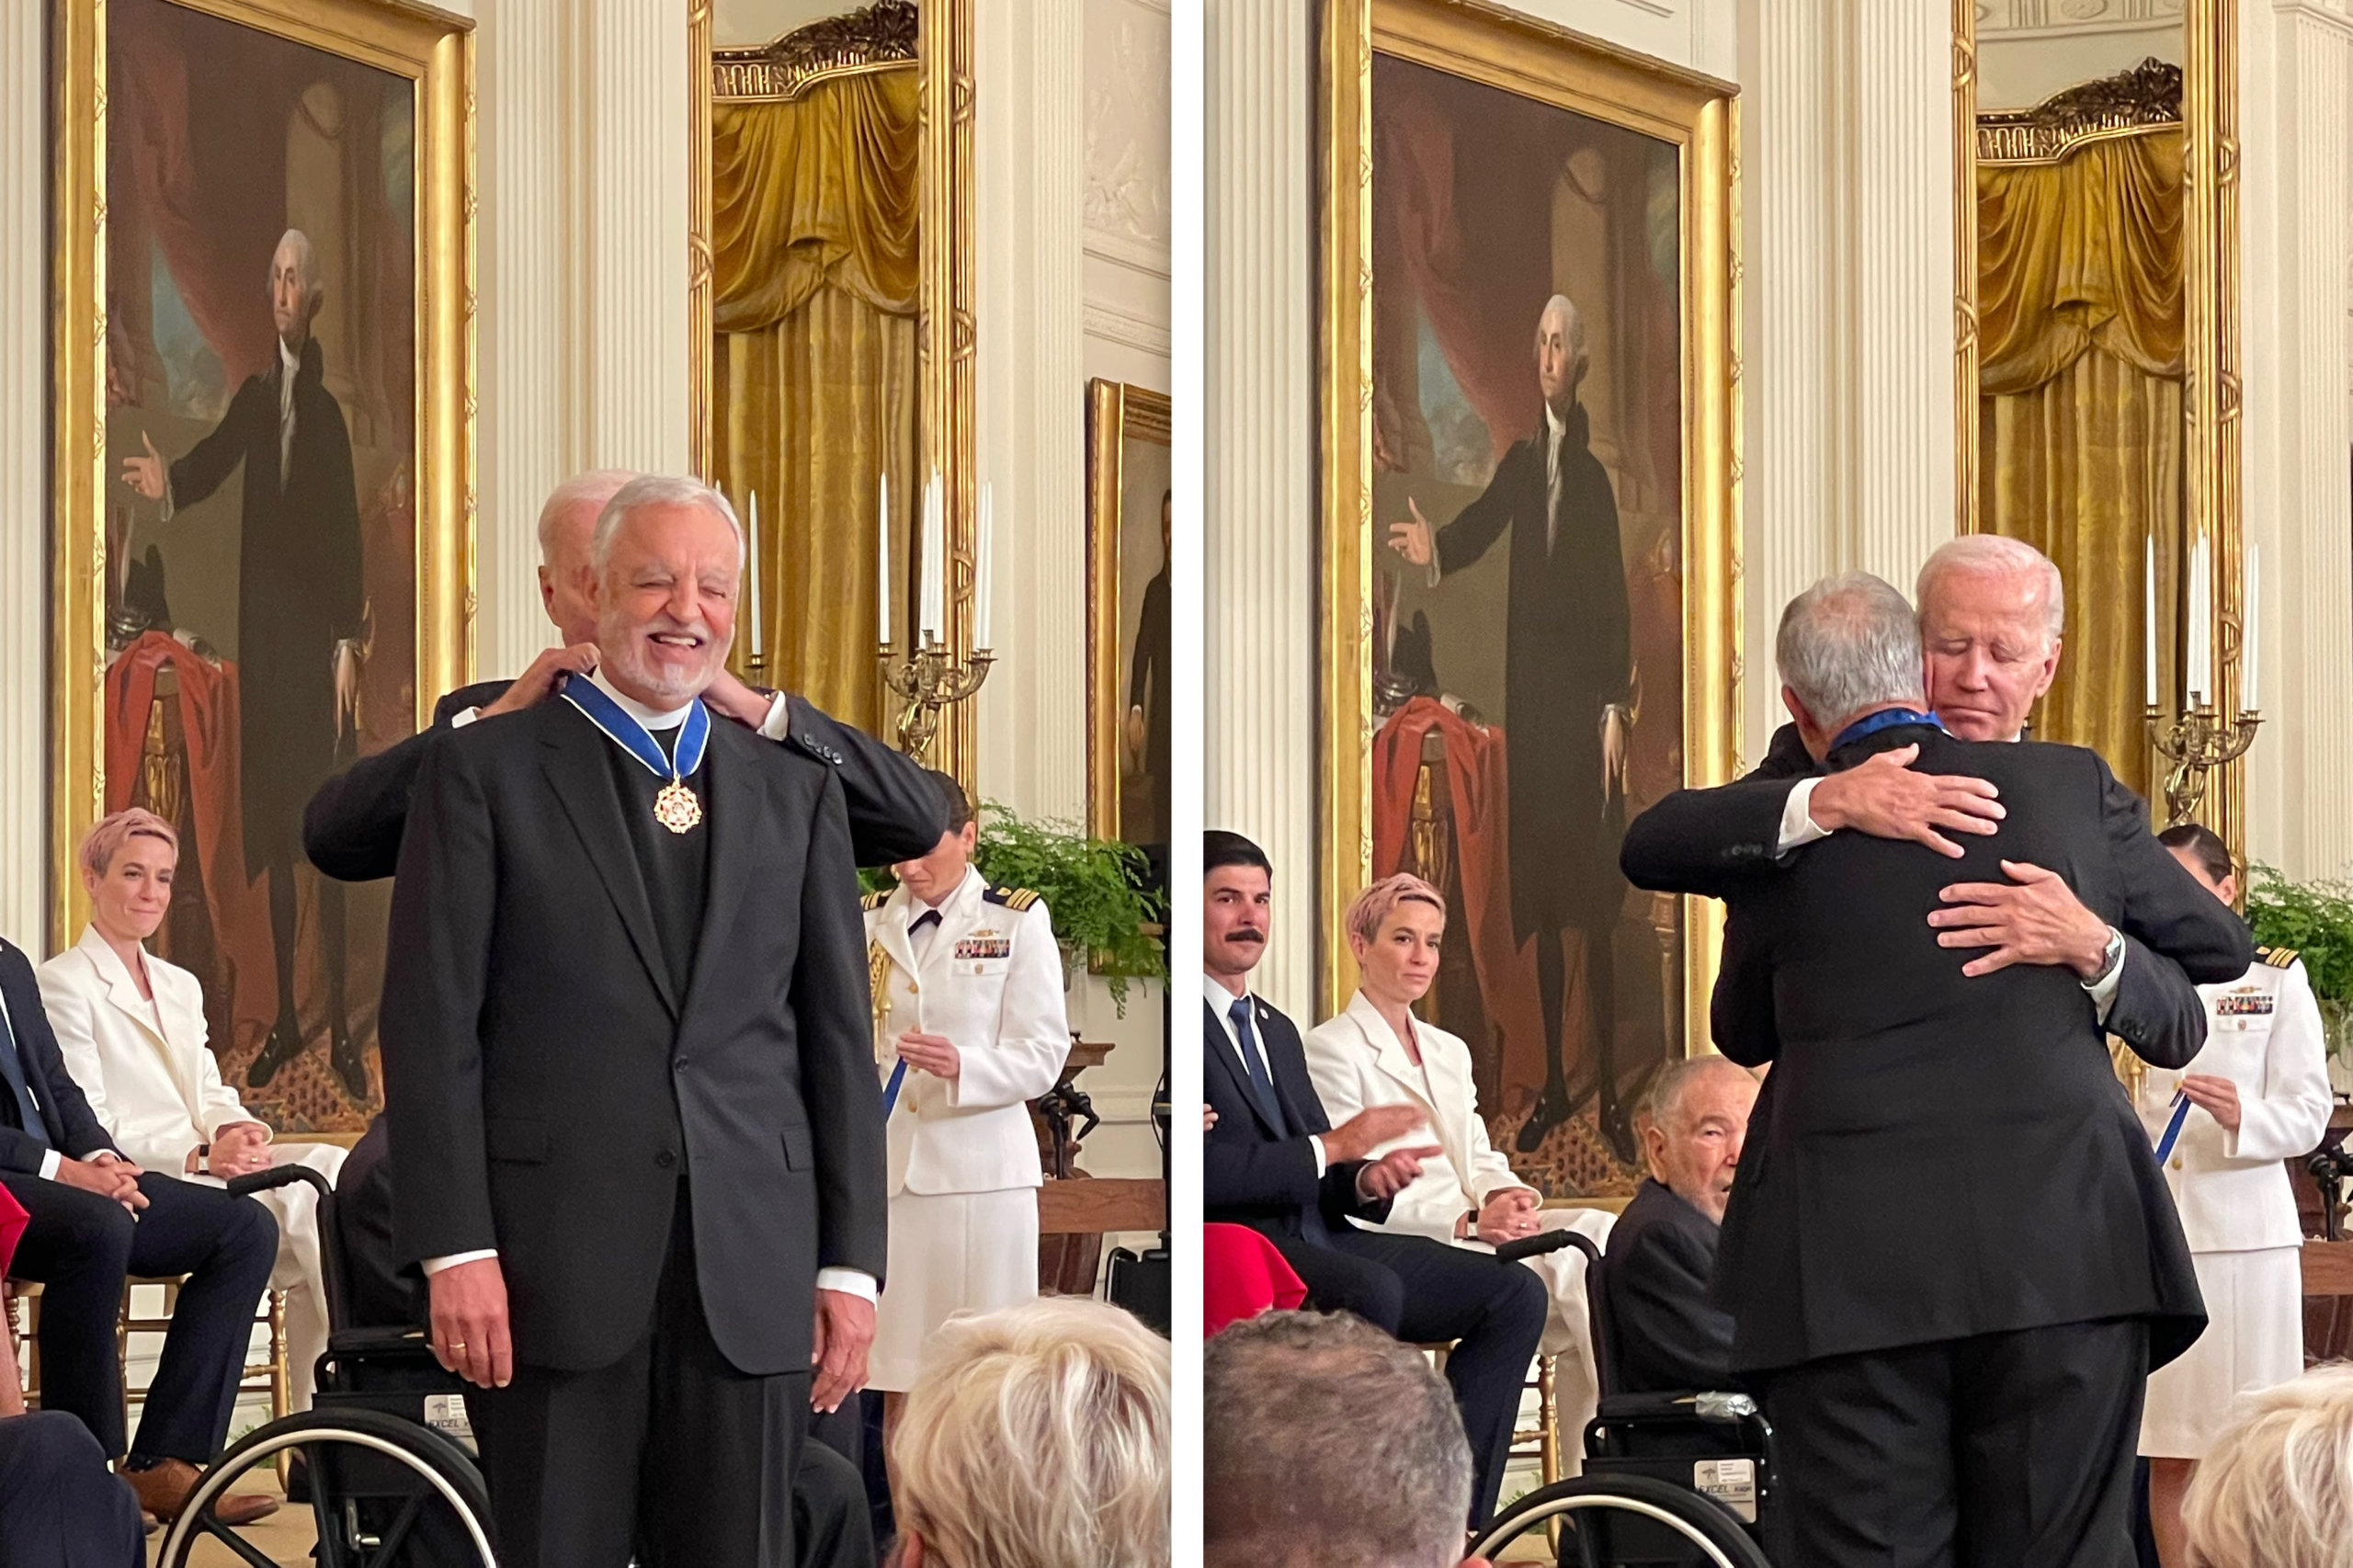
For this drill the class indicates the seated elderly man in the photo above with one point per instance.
(1036, 1437)
(1327, 1444)
(1663, 1250)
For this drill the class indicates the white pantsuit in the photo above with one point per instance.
(2237, 1209)
(154, 1084)
(963, 1154)
(1357, 1061)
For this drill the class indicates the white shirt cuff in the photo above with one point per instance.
(780, 717)
(849, 1282)
(435, 1265)
(49, 1164)
(1322, 1161)
(1798, 826)
(460, 720)
(2103, 992)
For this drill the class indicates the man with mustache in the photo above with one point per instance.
(1991, 610)
(1273, 1162)
(634, 1125)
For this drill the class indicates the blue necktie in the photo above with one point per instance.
(28, 1112)
(1262, 1086)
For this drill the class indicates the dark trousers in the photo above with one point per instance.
(670, 1452)
(2008, 1450)
(60, 1505)
(832, 1526)
(1424, 1292)
(80, 1246)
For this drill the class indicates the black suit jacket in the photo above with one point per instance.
(1254, 1174)
(351, 830)
(377, 1293)
(1668, 1337)
(545, 1087)
(1710, 842)
(67, 1118)
(1935, 1156)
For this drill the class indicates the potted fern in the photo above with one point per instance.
(1105, 916)
(2317, 919)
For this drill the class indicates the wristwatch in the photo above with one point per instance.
(2110, 956)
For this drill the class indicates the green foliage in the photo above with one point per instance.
(1094, 888)
(2316, 918)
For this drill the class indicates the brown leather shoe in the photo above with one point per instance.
(163, 1491)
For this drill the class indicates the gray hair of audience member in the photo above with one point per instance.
(1848, 644)
(1037, 1437)
(1280, 1492)
(1996, 555)
(657, 489)
(1673, 1086)
(2276, 1490)
(592, 489)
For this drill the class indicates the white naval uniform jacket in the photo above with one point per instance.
(2263, 1033)
(1357, 1061)
(158, 1093)
(991, 981)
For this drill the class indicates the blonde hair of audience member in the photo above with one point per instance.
(2276, 1489)
(1698, 1124)
(1280, 1490)
(1036, 1437)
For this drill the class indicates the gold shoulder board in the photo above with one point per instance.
(1015, 899)
(874, 901)
(2278, 958)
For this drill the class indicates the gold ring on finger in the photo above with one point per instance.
(458, 1346)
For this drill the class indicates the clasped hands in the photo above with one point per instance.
(2034, 918)
(471, 1338)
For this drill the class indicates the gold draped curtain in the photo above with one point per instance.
(815, 253)
(2080, 309)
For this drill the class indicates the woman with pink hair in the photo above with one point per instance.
(131, 1029)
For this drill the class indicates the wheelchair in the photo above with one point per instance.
(1671, 1480)
(387, 1448)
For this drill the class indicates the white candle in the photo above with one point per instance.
(981, 570)
(882, 565)
(2248, 662)
(2201, 624)
(753, 565)
(934, 523)
(2148, 593)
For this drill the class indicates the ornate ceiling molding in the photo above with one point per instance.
(880, 37)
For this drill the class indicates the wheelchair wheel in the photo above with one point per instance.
(1624, 1521)
(384, 1494)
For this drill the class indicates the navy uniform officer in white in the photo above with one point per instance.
(2255, 1094)
(969, 1026)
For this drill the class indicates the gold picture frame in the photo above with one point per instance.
(1700, 117)
(435, 52)
(2211, 341)
(870, 37)
(1117, 415)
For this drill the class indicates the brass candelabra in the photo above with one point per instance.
(929, 679)
(2196, 742)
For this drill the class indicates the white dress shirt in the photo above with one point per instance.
(848, 1281)
(1221, 1001)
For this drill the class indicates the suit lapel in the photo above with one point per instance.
(575, 766)
(1221, 1049)
(1288, 1069)
(733, 821)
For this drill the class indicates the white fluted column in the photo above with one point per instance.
(632, 125)
(24, 466)
(2296, 288)
(1894, 199)
(1259, 621)
(1030, 422)
(530, 431)
(1792, 488)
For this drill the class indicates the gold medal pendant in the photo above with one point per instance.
(676, 809)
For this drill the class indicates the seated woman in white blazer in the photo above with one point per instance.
(1378, 1054)
(2255, 1094)
(131, 1029)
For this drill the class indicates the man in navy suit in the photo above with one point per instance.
(1275, 1162)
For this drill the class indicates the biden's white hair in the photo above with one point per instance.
(591, 489)
(1997, 555)
(657, 489)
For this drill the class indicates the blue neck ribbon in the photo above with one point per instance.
(1887, 719)
(635, 738)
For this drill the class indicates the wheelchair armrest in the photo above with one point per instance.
(1719, 1408)
(277, 1175)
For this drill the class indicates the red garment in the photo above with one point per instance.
(1475, 781)
(209, 718)
(13, 1221)
(1242, 1276)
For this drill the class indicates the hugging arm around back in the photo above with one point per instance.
(1703, 841)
